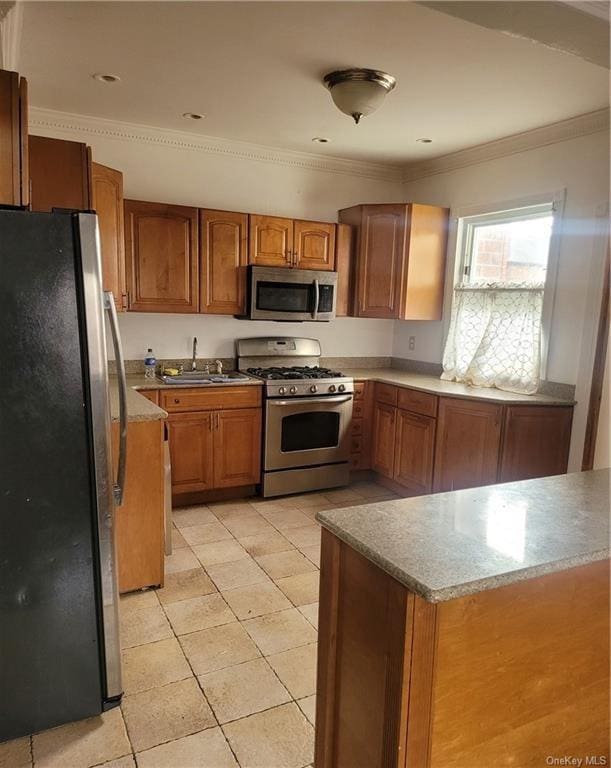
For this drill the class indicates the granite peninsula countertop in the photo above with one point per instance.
(448, 545)
(437, 386)
(138, 407)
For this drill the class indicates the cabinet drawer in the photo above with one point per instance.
(220, 398)
(386, 393)
(418, 402)
(150, 394)
(358, 409)
(356, 444)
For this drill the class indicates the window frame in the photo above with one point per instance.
(505, 211)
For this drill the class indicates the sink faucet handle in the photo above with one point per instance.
(219, 366)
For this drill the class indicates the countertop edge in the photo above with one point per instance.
(492, 395)
(468, 588)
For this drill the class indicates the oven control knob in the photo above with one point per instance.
(313, 388)
(282, 391)
(342, 388)
(332, 388)
(293, 390)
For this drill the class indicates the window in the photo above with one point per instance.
(496, 336)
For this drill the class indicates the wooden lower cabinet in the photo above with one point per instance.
(536, 442)
(237, 448)
(414, 451)
(383, 437)
(191, 451)
(215, 438)
(504, 677)
(467, 444)
(139, 521)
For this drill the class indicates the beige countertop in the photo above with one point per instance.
(438, 386)
(448, 545)
(138, 407)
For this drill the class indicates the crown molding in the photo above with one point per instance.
(73, 126)
(11, 24)
(574, 127)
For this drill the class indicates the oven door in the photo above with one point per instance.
(307, 432)
(291, 294)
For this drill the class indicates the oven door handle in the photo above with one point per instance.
(311, 400)
(316, 300)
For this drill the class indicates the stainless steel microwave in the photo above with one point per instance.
(276, 293)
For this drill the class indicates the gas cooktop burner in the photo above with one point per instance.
(295, 372)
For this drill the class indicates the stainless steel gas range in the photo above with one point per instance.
(307, 413)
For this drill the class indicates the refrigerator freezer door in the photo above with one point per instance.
(56, 562)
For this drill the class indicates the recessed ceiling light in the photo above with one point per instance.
(192, 115)
(106, 78)
(424, 141)
(320, 140)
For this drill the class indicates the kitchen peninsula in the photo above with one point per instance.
(467, 628)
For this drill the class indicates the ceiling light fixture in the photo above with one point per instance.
(424, 141)
(358, 92)
(106, 78)
(192, 115)
(321, 140)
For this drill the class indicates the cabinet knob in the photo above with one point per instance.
(177, 401)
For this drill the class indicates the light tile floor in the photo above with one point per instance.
(219, 666)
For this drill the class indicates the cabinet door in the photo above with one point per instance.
(271, 241)
(467, 444)
(107, 199)
(14, 178)
(162, 257)
(191, 451)
(383, 447)
(414, 450)
(237, 447)
(224, 256)
(380, 260)
(314, 245)
(60, 174)
(536, 442)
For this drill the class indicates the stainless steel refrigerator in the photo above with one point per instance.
(59, 624)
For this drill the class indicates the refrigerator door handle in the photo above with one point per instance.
(110, 309)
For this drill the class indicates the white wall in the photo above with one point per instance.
(165, 173)
(581, 166)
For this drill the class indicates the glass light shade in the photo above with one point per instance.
(358, 97)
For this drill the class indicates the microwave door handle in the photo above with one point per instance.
(316, 299)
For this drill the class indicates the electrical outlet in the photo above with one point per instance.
(412, 343)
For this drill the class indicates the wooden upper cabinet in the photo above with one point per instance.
(271, 241)
(536, 442)
(400, 259)
(161, 246)
(414, 451)
(383, 446)
(345, 263)
(237, 447)
(314, 245)
(224, 258)
(379, 260)
(60, 174)
(467, 444)
(14, 175)
(107, 201)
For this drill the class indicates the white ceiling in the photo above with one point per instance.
(255, 69)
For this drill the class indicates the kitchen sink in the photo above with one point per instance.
(199, 377)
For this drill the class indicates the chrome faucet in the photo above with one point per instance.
(193, 364)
